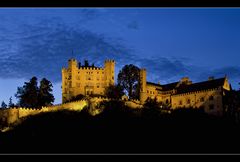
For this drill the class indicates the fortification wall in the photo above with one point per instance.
(12, 115)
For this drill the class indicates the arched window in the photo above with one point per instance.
(188, 101)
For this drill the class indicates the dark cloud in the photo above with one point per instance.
(43, 49)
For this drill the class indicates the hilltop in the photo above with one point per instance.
(122, 130)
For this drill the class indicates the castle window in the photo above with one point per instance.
(188, 101)
(113, 78)
(97, 72)
(202, 99)
(180, 102)
(147, 91)
(211, 97)
(91, 72)
(98, 85)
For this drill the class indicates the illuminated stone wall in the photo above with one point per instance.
(86, 80)
(196, 99)
(210, 100)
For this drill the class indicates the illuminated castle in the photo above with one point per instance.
(207, 95)
(86, 80)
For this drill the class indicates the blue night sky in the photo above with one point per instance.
(169, 42)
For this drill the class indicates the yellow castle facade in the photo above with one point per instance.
(86, 80)
(207, 95)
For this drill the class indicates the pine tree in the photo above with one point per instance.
(3, 105)
(45, 96)
(10, 104)
(28, 94)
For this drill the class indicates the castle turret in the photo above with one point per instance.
(143, 93)
(69, 80)
(72, 64)
(64, 84)
(109, 67)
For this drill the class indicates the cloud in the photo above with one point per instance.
(42, 49)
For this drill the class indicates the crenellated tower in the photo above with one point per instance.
(69, 79)
(143, 88)
(109, 67)
(86, 80)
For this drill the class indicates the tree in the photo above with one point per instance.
(231, 102)
(45, 96)
(114, 91)
(28, 94)
(151, 108)
(3, 105)
(10, 104)
(20, 95)
(128, 78)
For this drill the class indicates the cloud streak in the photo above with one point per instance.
(42, 48)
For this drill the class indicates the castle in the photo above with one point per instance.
(207, 95)
(86, 80)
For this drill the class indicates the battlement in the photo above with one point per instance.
(72, 60)
(109, 60)
(143, 69)
(90, 68)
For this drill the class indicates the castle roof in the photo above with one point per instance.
(210, 84)
(165, 87)
(183, 88)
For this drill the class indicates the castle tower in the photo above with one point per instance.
(143, 93)
(109, 67)
(69, 80)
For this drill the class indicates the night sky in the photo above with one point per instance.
(169, 42)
